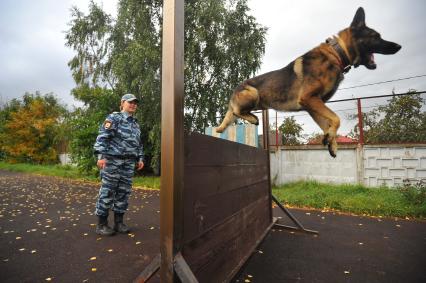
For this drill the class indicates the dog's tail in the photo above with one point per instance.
(229, 119)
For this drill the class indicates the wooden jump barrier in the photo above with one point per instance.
(215, 198)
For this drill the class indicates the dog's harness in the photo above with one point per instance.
(342, 58)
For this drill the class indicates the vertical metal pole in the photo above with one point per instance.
(171, 216)
(276, 130)
(265, 123)
(360, 125)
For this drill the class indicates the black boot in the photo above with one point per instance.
(119, 226)
(102, 228)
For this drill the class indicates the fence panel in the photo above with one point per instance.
(226, 203)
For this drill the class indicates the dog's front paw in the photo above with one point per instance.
(332, 148)
(325, 140)
(331, 151)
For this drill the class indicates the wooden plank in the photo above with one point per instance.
(207, 150)
(172, 138)
(227, 208)
(205, 181)
(203, 213)
(149, 271)
(217, 255)
(217, 187)
(217, 165)
(183, 271)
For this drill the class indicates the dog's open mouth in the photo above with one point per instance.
(370, 61)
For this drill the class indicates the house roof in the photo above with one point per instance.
(339, 139)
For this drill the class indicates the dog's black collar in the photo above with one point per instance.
(346, 65)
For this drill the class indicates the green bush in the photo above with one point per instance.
(414, 193)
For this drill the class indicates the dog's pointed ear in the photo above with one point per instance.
(359, 19)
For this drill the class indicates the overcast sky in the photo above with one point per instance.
(33, 55)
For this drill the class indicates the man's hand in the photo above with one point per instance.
(101, 163)
(139, 165)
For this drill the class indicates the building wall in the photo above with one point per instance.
(392, 164)
(313, 163)
(371, 165)
(245, 133)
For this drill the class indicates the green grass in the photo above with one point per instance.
(72, 172)
(147, 182)
(49, 170)
(345, 198)
(356, 199)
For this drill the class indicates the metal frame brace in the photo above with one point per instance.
(299, 225)
(182, 269)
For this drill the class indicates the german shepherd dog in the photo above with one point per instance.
(311, 80)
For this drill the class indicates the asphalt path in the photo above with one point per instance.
(47, 228)
(47, 234)
(348, 249)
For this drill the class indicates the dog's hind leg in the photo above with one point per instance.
(244, 99)
(229, 119)
(248, 117)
